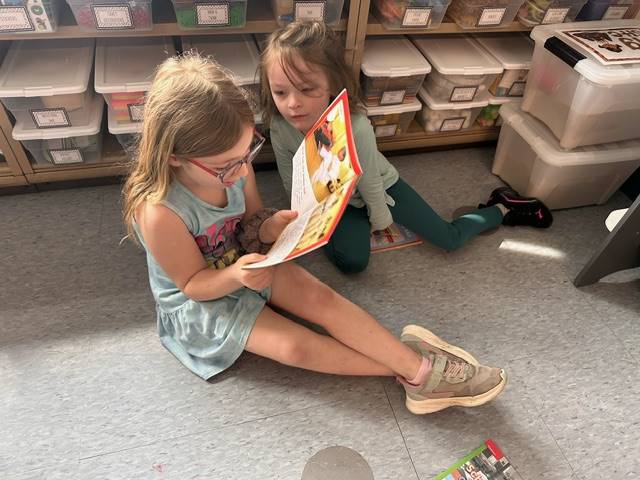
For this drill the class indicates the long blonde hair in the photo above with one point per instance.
(193, 109)
(318, 46)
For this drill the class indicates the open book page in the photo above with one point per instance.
(325, 172)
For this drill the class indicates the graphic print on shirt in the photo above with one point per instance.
(219, 244)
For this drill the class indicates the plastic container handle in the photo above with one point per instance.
(564, 52)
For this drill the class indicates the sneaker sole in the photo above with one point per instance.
(432, 339)
(421, 407)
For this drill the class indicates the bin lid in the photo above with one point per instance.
(128, 65)
(22, 131)
(412, 106)
(118, 128)
(547, 147)
(239, 54)
(434, 104)
(514, 52)
(41, 68)
(582, 46)
(457, 56)
(502, 100)
(392, 57)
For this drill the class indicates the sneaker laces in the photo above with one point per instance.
(457, 371)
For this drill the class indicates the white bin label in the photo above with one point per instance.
(61, 157)
(555, 15)
(416, 17)
(452, 124)
(491, 16)
(135, 111)
(113, 17)
(463, 94)
(615, 13)
(310, 11)
(50, 117)
(386, 130)
(392, 97)
(516, 89)
(15, 19)
(212, 13)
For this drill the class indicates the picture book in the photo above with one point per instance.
(486, 462)
(393, 237)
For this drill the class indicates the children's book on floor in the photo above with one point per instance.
(393, 237)
(325, 172)
(487, 462)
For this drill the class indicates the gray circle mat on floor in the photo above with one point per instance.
(337, 463)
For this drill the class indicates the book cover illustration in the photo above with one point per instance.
(486, 462)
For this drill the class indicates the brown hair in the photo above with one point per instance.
(318, 46)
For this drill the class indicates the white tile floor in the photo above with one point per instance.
(87, 391)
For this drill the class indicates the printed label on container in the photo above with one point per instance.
(516, 89)
(392, 97)
(555, 15)
(615, 13)
(212, 13)
(135, 111)
(386, 130)
(416, 17)
(50, 117)
(61, 157)
(452, 124)
(310, 11)
(463, 94)
(610, 46)
(15, 19)
(491, 16)
(112, 17)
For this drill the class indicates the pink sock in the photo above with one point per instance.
(423, 372)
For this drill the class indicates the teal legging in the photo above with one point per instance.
(349, 247)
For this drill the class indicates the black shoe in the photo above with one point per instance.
(522, 210)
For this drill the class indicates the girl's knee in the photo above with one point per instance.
(292, 352)
(350, 261)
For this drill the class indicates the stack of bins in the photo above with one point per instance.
(123, 74)
(58, 116)
(576, 139)
(392, 72)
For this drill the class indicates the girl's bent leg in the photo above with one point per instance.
(349, 246)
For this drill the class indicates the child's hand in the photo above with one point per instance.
(273, 226)
(255, 279)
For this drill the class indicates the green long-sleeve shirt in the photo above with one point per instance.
(377, 173)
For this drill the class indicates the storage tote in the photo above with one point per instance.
(392, 120)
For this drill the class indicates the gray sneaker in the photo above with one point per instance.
(456, 378)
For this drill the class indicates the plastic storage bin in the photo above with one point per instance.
(237, 53)
(437, 116)
(544, 12)
(392, 71)
(124, 70)
(327, 11)
(483, 13)
(29, 16)
(62, 146)
(392, 119)
(127, 134)
(605, 10)
(514, 52)
(110, 15)
(583, 102)
(410, 14)
(193, 14)
(529, 158)
(35, 88)
(462, 70)
(489, 116)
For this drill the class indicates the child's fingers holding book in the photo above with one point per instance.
(272, 227)
(255, 279)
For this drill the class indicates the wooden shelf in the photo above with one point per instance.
(374, 27)
(12, 180)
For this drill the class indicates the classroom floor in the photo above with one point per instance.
(88, 392)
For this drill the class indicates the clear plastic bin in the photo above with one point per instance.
(327, 11)
(583, 102)
(462, 70)
(605, 10)
(438, 116)
(192, 15)
(38, 92)
(410, 14)
(483, 13)
(63, 146)
(393, 119)
(544, 12)
(124, 70)
(237, 53)
(529, 158)
(489, 116)
(514, 52)
(392, 71)
(29, 16)
(127, 134)
(110, 15)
